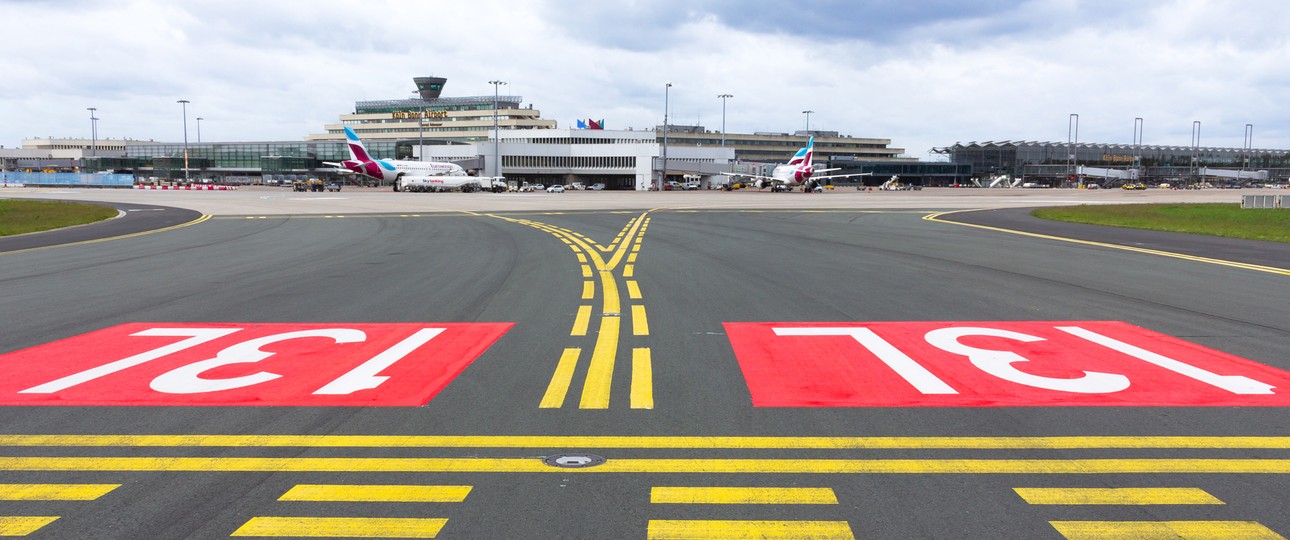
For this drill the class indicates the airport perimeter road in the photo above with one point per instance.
(632, 373)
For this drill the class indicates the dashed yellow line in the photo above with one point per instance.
(1233, 264)
(668, 529)
(1115, 496)
(54, 492)
(344, 527)
(376, 493)
(1186, 530)
(588, 290)
(561, 380)
(581, 321)
(642, 396)
(633, 290)
(23, 525)
(640, 323)
(741, 495)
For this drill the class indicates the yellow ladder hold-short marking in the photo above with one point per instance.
(54, 492)
(560, 381)
(640, 323)
(1162, 530)
(1142, 496)
(23, 525)
(633, 290)
(600, 373)
(581, 321)
(642, 379)
(330, 527)
(375, 493)
(741, 495)
(588, 290)
(666, 529)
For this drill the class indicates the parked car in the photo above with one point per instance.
(690, 185)
(597, 187)
(577, 186)
(538, 187)
(558, 188)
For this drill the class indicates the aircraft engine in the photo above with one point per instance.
(761, 184)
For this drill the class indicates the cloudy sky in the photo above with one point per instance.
(921, 73)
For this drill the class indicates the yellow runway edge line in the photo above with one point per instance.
(616, 441)
(647, 466)
(1233, 264)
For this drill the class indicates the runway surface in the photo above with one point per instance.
(377, 368)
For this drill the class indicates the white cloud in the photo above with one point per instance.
(923, 75)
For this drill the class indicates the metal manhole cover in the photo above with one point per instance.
(573, 461)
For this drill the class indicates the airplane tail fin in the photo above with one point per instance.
(803, 156)
(357, 151)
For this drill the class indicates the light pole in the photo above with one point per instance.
(667, 89)
(723, 118)
(184, 103)
(808, 121)
(94, 138)
(1249, 145)
(497, 133)
(199, 130)
(1072, 139)
(1195, 147)
(1138, 126)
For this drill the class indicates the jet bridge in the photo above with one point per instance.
(1109, 176)
(1234, 174)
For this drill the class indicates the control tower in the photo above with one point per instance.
(429, 87)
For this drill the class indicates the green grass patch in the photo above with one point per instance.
(21, 216)
(1218, 219)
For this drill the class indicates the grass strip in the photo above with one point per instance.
(1213, 219)
(22, 216)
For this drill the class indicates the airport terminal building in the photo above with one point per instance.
(1059, 164)
(527, 148)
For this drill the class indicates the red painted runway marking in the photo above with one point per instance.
(992, 364)
(301, 364)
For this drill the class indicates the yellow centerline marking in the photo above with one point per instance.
(1117, 496)
(600, 372)
(670, 529)
(23, 525)
(659, 466)
(642, 396)
(581, 321)
(329, 527)
(376, 493)
(560, 381)
(203, 217)
(640, 323)
(683, 442)
(54, 492)
(741, 495)
(1246, 266)
(1187, 530)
